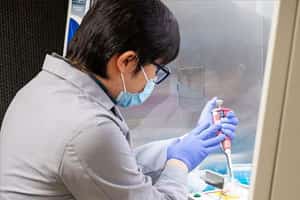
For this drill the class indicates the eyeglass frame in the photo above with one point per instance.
(165, 69)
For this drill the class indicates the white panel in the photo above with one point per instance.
(272, 101)
(286, 178)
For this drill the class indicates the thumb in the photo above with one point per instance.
(211, 104)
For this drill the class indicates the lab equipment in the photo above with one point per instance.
(229, 123)
(216, 185)
(218, 114)
(213, 178)
(226, 127)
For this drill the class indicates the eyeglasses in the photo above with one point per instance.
(161, 73)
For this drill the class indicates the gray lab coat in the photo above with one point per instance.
(63, 138)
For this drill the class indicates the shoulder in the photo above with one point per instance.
(97, 144)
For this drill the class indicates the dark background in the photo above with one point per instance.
(29, 30)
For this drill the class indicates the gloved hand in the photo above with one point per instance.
(195, 147)
(229, 123)
(206, 114)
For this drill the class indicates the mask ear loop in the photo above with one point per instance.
(147, 79)
(124, 87)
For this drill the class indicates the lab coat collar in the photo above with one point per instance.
(59, 66)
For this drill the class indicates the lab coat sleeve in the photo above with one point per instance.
(98, 163)
(152, 157)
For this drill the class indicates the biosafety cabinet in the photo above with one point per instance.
(247, 53)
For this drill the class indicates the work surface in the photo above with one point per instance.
(236, 190)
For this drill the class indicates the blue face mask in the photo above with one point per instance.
(126, 99)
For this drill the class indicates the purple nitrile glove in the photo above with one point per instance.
(195, 147)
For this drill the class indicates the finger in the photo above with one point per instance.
(229, 133)
(211, 104)
(214, 141)
(213, 149)
(230, 114)
(233, 121)
(210, 131)
(228, 126)
(200, 128)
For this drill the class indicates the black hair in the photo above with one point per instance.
(112, 27)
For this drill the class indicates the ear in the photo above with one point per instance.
(127, 62)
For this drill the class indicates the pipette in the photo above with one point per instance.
(219, 113)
